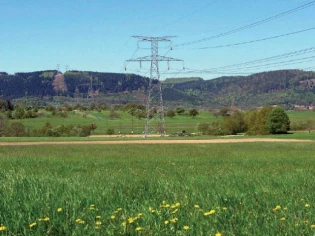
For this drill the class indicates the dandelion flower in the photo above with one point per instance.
(307, 205)
(98, 222)
(130, 220)
(176, 210)
(46, 219)
(92, 205)
(224, 208)
(282, 219)
(218, 234)
(113, 217)
(177, 204)
(77, 220)
(32, 225)
(140, 215)
(276, 208)
(119, 209)
(138, 228)
(123, 223)
(96, 227)
(186, 227)
(209, 213)
(174, 220)
(312, 226)
(166, 222)
(98, 217)
(2, 228)
(59, 210)
(196, 206)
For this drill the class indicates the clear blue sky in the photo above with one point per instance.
(95, 35)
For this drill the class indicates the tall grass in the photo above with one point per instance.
(232, 189)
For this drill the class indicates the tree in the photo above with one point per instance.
(278, 121)
(170, 113)
(16, 129)
(193, 112)
(110, 131)
(180, 110)
(203, 128)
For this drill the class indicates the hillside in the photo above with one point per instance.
(286, 87)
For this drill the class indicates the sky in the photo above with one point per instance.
(96, 35)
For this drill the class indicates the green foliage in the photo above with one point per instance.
(256, 121)
(203, 128)
(16, 129)
(193, 112)
(170, 113)
(110, 131)
(278, 121)
(180, 110)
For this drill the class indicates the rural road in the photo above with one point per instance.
(145, 141)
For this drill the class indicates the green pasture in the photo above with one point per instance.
(298, 116)
(217, 189)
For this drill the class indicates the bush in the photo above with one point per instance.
(110, 131)
(278, 121)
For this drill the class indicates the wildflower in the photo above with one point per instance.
(209, 213)
(276, 208)
(130, 220)
(173, 206)
(2, 228)
(96, 227)
(282, 219)
(123, 223)
(113, 217)
(218, 234)
(307, 205)
(224, 208)
(140, 215)
(166, 222)
(312, 226)
(176, 210)
(92, 205)
(174, 220)
(177, 204)
(80, 221)
(77, 220)
(32, 225)
(115, 212)
(196, 206)
(59, 210)
(98, 217)
(186, 227)
(285, 208)
(119, 209)
(138, 228)
(46, 219)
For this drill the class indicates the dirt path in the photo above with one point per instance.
(145, 141)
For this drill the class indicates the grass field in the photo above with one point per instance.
(205, 189)
(126, 124)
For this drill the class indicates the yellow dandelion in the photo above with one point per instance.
(46, 219)
(163, 202)
(276, 208)
(174, 220)
(224, 208)
(96, 227)
(312, 226)
(59, 210)
(98, 217)
(186, 227)
(307, 205)
(98, 222)
(177, 204)
(2, 228)
(196, 206)
(209, 213)
(32, 225)
(124, 223)
(77, 220)
(176, 210)
(119, 209)
(282, 218)
(138, 228)
(140, 215)
(115, 212)
(285, 208)
(92, 205)
(113, 217)
(173, 206)
(130, 220)
(166, 222)
(218, 234)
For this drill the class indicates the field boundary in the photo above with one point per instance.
(145, 141)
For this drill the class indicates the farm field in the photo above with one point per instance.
(126, 123)
(178, 189)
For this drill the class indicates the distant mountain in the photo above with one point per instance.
(283, 87)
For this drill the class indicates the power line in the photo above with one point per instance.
(256, 40)
(271, 18)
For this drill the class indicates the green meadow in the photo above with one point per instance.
(182, 189)
(126, 123)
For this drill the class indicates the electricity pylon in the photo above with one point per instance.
(154, 106)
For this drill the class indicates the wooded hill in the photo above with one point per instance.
(285, 87)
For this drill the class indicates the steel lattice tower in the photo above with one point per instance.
(154, 105)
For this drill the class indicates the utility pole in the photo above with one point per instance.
(154, 104)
